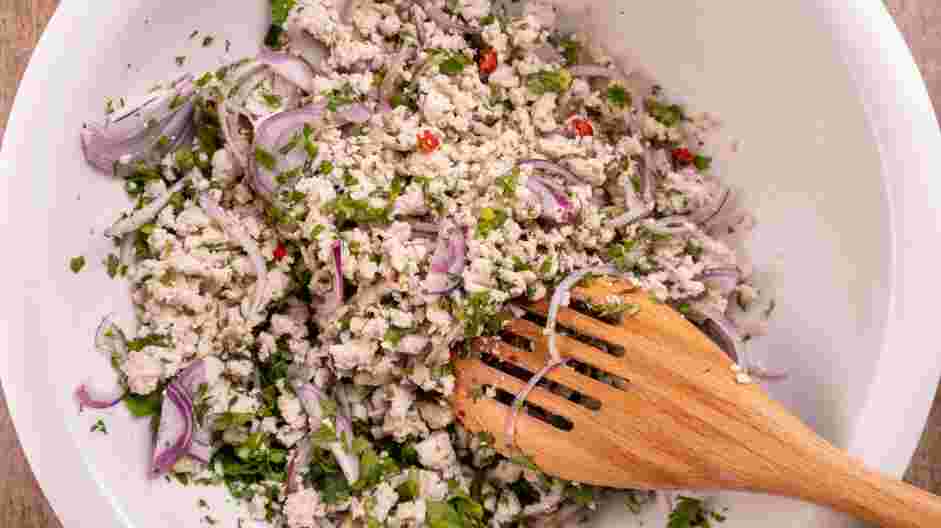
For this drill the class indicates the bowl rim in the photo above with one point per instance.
(903, 125)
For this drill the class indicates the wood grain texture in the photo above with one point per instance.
(22, 21)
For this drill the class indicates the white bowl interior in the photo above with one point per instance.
(809, 165)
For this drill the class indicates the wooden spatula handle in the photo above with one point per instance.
(845, 485)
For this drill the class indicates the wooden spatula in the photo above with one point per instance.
(681, 420)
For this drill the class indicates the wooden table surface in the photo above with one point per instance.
(22, 504)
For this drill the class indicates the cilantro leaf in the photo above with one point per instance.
(667, 115)
(549, 81)
(144, 405)
(265, 158)
(76, 264)
(618, 96)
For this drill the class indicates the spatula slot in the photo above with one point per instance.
(513, 367)
(608, 348)
(529, 409)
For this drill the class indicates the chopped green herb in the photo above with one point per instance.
(684, 308)
(394, 335)
(525, 461)
(570, 49)
(341, 96)
(227, 420)
(144, 405)
(459, 511)
(454, 64)
(76, 264)
(509, 182)
(109, 106)
(546, 267)
(702, 162)
(692, 513)
(140, 343)
(273, 101)
(265, 158)
(479, 315)
(621, 254)
(351, 211)
(618, 96)
(667, 115)
(99, 427)
(309, 144)
(112, 265)
(490, 219)
(184, 159)
(549, 81)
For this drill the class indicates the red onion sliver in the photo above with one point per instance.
(725, 279)
(337, 251)
(175, 431)
(442, 19)
(356, 113)
(552, 168)
(248, 245)
(291, 67)
(297, 463)
(586, 70)
(267, 134)
(86, 400)
(510, 424)
(721, 330)
(560, 298)
(555, 205)
(145, 214)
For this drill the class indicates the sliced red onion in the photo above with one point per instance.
(724, 279)
(721, 330)
(144, 215)
(110, 339)
(175, 431)
(447, 263)
(444, 21)
(343, 452)
(267, 135)
(764, 374)
(632, 216)
(310, 397)
(356, 113)
(298, 462)
(670, 226)
(235, 141)
(560, 298)
(201, 447)
(555, 205)
(291, 67)
(552, 168)
(192, 377)
(337, 251)
(548, 53)
(136, 134)
(509, 428)
(394, 71)
(87, 400)
(248, 245)
(588, 70)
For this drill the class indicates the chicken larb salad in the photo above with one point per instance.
(319, 229)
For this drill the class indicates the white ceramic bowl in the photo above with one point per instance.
(839, 161)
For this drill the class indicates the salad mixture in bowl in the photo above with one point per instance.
(318, 229)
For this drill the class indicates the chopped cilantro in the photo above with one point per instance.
(694, 249)
(341, 96)
(138, 344)
(702, 162)
(667, 115)
(394, 335)
(144, 405)
(204, 79)
(549, 81)
(280, 10)
(309, 144)
(273, 101)
(509, 181)
(99, 427)
(570, 48)
(546, 267)
(479, 315)
(256, 460)
(112, 265)
(351, 211)
(76, 264)
(525, 461)
(490, 219)
(265, 158)
(620, 254)
(326, 167)
(227, 420)
(618, 96)
(459, 511)
(454, 64)
(184, 159)
(692, 513)
(408, 490)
